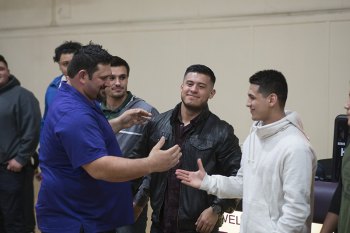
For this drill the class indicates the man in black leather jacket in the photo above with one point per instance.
(201, 134)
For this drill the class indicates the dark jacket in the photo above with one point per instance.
(213, 141)
(19, 122)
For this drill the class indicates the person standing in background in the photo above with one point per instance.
(118, 100)
(63, 55)
(19, 136)
(338, 216)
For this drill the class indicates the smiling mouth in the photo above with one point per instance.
(192, 96)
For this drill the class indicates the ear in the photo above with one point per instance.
(212, 93)
(273, 99)
(82, 76)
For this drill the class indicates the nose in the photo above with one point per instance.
(116, 82)
(248, 103)
(194, 88)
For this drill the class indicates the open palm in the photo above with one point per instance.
(193, 179)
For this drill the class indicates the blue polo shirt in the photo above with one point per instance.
(76, 133)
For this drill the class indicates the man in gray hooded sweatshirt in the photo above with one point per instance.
(19, 136)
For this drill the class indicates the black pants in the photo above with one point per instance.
(28, 198)
(11, 201)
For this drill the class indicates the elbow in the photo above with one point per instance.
(95, 172)
(97, 175)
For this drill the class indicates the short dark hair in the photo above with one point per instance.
(201, 69)
(87, 58)
(2, 59)
(66, 47)
(271, 81)
(118, 61)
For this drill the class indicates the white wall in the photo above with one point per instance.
(309, 41)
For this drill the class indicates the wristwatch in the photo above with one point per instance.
(217, 209)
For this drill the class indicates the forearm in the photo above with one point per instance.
(116, 125)
(222, 186)
(118, 169)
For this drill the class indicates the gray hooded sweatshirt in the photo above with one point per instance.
(19, 122)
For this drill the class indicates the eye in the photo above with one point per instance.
(111, 78)
(190, 84)
(122, 77)
(65, 64)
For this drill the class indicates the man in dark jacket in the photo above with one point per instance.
(201, 134)
(19, 136)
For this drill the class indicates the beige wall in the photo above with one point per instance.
(309, 41)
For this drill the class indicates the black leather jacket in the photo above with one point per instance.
(213, 141)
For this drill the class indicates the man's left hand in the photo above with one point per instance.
(207, 221)
(14, 166)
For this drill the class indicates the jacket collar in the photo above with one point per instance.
(203, 116)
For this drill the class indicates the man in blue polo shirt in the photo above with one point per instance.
(84, 186)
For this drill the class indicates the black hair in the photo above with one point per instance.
(66, 47)
(87, 58)
(201, 69)
(118, 61)
(2, 59)
(271, 81)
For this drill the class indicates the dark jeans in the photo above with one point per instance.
(138, 227)
(28, 195)
(11, 201)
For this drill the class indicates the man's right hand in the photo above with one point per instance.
(162, 160)
(193, 179)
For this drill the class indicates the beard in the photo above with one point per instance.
(193, 108)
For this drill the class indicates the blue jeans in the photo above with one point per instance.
(138, 227)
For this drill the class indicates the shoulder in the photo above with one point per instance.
(25, 94)
(55, 83)
(57, 79)
(162, 119)
(295, 143)
(140, 103)
(293, 136)
(215, 121)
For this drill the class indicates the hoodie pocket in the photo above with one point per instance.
(257, 218)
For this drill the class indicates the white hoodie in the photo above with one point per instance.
(275, 179)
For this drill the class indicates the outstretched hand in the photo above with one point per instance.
(193, 179)
(135, 116)
(163, 160)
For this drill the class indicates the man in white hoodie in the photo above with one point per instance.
(277, 167)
